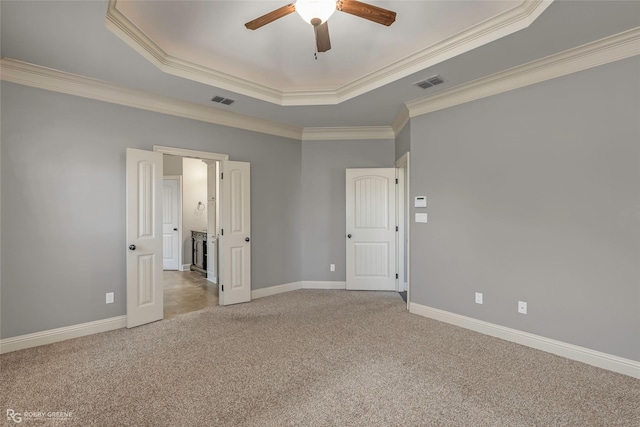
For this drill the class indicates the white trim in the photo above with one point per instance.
(604, 51)
(607, 50)
(212, 279)
(570, 351)
(323, 285)
(401, 120)
(480, 34)
(405, 162)
(185, 267)
(15, 71)
(190, 153)
(61, 334)
(347, 133)
(274, 290)
(294, 286)
(610, 49)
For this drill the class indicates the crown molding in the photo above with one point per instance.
(401, 120)
(26, 74)
(604, 51)
(72, 84)
(485, 32)
(141, 43)
(610, 49)
(347, 133)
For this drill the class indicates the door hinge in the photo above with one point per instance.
(396, 180)
(222, 287)
(222, 175)
(396, 275)
(397, 228)
(222, 231)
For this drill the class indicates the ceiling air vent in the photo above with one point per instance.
(430, 82)
(221, 100)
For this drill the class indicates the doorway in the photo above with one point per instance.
(144, 208)
(189, 214)
(377, 244)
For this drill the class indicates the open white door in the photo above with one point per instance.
(144, 237)
(234, 243)
(171, 223)
(371, 229)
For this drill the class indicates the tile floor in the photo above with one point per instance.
(187, 291)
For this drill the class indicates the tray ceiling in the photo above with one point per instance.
(206, 41)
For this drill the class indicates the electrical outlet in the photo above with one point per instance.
(332, 267)
(478, 298)
(522, 307)
(109, 297)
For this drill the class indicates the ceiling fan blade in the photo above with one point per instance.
(367, 11)
(270, 17)
(323, 43)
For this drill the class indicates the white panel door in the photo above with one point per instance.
(234, 243)
(144, 237)
(170, 224)
(371, 229)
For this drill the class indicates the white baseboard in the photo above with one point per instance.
(212, 279)
(323, 285)
(273, 290)
(570, 351)
(61, 334)
(185, 267)
(278, 289)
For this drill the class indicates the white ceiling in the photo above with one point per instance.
(281, 55)
(71, 36)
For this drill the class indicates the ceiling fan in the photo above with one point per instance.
(317, 12)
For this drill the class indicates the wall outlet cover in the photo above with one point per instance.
(478, 298)
(522, 307)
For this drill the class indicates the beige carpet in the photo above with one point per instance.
(309, 358)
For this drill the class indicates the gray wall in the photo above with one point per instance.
(323, 200)
(403, 141)
(534, 195)
(63, 202)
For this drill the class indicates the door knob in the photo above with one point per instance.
(132, 247)
(349, 235)
(175, 229)
(246, 239)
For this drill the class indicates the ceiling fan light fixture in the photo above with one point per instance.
(312, 9)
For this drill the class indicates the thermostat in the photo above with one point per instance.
(420, 202)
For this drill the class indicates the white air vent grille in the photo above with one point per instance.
(222, 100)
(430, 82)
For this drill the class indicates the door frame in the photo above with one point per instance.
(404, 209)
(183, 152)
(179, 179)
(190, 153)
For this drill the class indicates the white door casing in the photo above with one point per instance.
(171, 208)
(371, 229)
(234, 242)
(212, 218)
(144, 237)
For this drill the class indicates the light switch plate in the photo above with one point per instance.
(421, 217)
(420, 202)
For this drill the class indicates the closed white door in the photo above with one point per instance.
(171, 224)
(234, 242)
(371, 229)
(144, 237)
